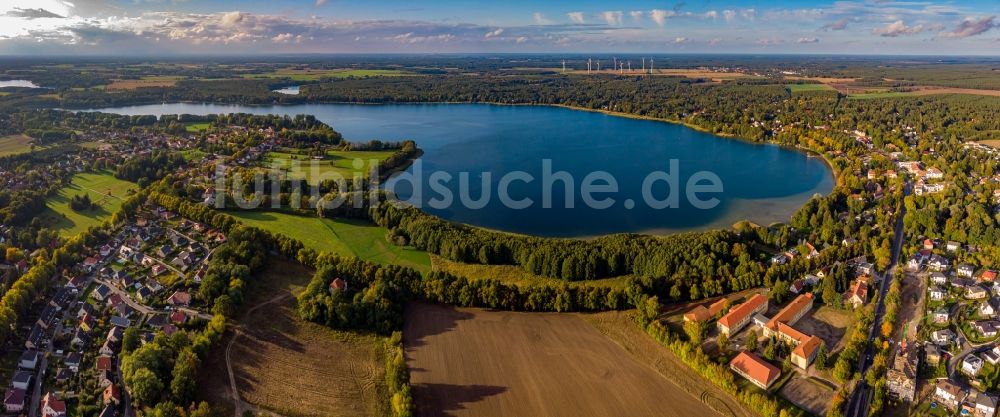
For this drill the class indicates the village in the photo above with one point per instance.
(136, 286)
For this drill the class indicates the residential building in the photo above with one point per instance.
(739, 316)
(949, 394)
(699, 313)
(902, 375)
(971, 365)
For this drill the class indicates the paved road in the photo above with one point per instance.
(860, 400)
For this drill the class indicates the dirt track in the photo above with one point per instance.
(472, 362)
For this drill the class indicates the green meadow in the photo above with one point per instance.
(339, 162)
(106, 191)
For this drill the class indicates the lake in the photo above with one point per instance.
(19, 83)
(762, 183)
(291, 90)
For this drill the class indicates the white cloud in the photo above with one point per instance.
(613, 18)
(971, 27)
(540, 19)
(495, 33)
(749, 14)
(898, 28)
(808, 40)
(681, 40)
(660, 16)
(729, 15)
(712, 14)
(576, 17)
(636, 15)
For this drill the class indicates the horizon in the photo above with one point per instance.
(320, 27)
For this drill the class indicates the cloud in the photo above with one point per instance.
(838, 25)
(614, 18)
(576, 17)
(540, 19)
(31, 13)
(749, 14)
(681, 40)
(636, 15)
(321, 3)
(970, 27)
(807, 40)
(712, 14)
(898, 28)
(495, 33)
(660, 16)
(729, 15)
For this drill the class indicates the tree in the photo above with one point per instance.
(821, 358)
(752, 340)
(695, 331)
(831, 296)
(130, 340)
(146, 386)
(183, 383)
(723, 342)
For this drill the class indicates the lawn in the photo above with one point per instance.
(341, 236)
(335, 165)
(106, 191)
(317, 74)
(798, 88)
(15, 144)
(195, 127)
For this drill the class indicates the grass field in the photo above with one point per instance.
(15, 144)
(341, 236)
(511, 274)
(294, 368)
(123, 85)
(104, 190)
(195, 127)
(336, 163)
(474, 362)
(798, 88)
(317, 74)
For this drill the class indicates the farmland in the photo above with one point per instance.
(472, 362)
(799, 88)
(294, 368)
(335, 165)
(106, 191)
(341, 236)
(318, 74)
(150, 81)
(14, 144)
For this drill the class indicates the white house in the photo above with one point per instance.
(952, 246)
(986, 405)
(989, 308)
(966, 270)
(938, 278)
(971, 365)
(937, 294)
(938, 263)
(943, 336)
(941, 315)
(949, 394)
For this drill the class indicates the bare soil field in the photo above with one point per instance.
(474, 362)
(923, 91)
(121, 85)
(911, 304)
(284, 365)
(809, 394)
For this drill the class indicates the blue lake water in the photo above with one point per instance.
(761, 183)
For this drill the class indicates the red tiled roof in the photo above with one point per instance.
(742, 311)
(791, 310)
(755, 368)
(805, 349)
(104, 363)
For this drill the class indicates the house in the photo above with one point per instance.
(103, 363)
(80, 338)
(986, 405)
(338, 285)
(965, 270)
(699, 313)
(779, 259)
(739, 316)
(848, 241)
(63, 375)
(87, 323)
(811, 279)
(100, 293)
(901, 377)
(932, 354)
(792, 312)
(938, 278)
(928, 244)
(949, 394)
(988, 275)
(112, 395)
(865, 268)
(144, 294)
(941, 315)
(21, 380)
(991, 356)
(28, 359)
(971, 365)
(178, 317)
(952, 246)
(938, 263)
(805, 352)
(104, 379)
(943, 336)
(107, 349)
(13, 400)
(51, 407)
(857, 295)
(915, 262)
(976, 292)
(755, 369)
(987, 328)
(72, 361)
(119, 321)
(937, 294)
(86, 309)
(989, 308)
(179, 299)
(164, 251)
(797, 286)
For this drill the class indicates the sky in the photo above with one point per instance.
(247, 27)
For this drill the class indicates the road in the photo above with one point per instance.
(862, 396)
